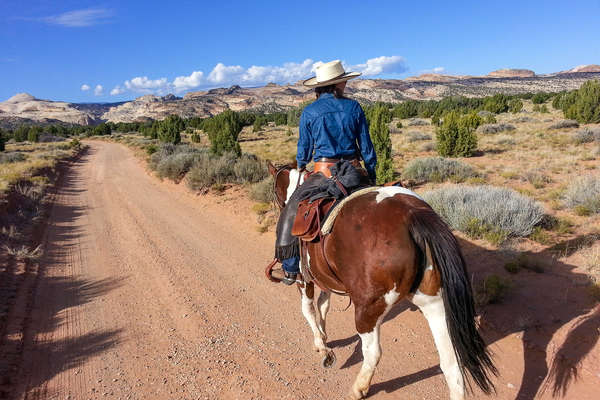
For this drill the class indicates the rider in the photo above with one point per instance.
(332, 128)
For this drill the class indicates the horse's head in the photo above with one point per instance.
(286, 178)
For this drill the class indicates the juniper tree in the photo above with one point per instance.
(379, 116)
(169, 129)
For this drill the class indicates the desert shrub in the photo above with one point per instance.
(12, 157)
(210, 171)
(499, 209)
(399, 125)
(587, 135)
(515, 105)
(175, 166)
(484, 114)
(75, 144)
(523, 119)
(583, 195)
(492, 290)
(416, 136)
(495, 128)
(564, 124)
(504, 140)
(223, 131)
(379, 117)
(151, 149)
(166, 150)
(490, 119)
(416, 122)
(537, 178)
(583, 104)
(262, 191)
(437, 169)
(541, 109)
(496, 104)
(195, 138)
(428, 146)
(456, 136)
(47, 138)
(541, 97)
(249, 169)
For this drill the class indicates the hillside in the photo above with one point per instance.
(24, 108)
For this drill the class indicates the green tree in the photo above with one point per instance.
(20, 134)
(456, 136)
(515, 105)
(259, 123)
(33, 135)
(497, 103)
(102, 129)
(540, 97)
(584, 105)
(379, 116)
(169, 129)
(223, 131)
(2, 139)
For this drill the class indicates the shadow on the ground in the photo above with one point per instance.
(33, 353)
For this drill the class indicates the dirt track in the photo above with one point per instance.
(149, 292)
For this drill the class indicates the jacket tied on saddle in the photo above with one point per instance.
(311, 203)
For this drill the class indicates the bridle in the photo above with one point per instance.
(280, 203)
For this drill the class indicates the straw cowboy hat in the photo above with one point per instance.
(329, 74)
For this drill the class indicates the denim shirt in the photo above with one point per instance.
(332, 128)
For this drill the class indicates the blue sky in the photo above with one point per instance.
(84, 51)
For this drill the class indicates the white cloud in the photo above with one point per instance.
(117, 90)
(436, 70)
(183, 83)
(85, 87)
(98, 90)
(222, 73)
(439, 70)
(255, 75)
(142, 84)
(80, 18)
(381, 65)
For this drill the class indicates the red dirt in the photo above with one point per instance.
(147, 291)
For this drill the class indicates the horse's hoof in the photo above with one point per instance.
(358, 394)
(329, 360)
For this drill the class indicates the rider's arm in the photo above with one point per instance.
(305, 143)
(365, 145)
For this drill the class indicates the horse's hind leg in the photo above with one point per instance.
(368, 317)
(434, 311)
(308, 310)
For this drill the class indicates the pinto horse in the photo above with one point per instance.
(385, 246)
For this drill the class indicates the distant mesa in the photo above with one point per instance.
(20, 98)
(512, 73)
(433, 78)
(586, 68)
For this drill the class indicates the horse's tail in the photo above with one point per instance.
(437, 243)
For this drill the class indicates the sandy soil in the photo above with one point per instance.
(149, 292)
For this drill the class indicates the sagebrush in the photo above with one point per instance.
(437, 169)
(500, 209)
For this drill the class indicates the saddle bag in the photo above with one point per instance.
(307, 223)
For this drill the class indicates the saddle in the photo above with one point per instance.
(310, 217)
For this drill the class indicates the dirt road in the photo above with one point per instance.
(150, 292)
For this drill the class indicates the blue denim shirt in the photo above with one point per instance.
(333, 128)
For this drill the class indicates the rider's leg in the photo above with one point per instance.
(291, 266)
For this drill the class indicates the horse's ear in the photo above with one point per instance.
(272, 169)
(294, 164)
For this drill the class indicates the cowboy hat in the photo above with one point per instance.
(329, 74)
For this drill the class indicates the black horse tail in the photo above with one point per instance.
(437, 243)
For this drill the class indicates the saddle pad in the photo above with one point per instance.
(328, 224)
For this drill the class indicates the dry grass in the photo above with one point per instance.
(24, 253)
(39, 156)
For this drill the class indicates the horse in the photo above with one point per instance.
(387, 245)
